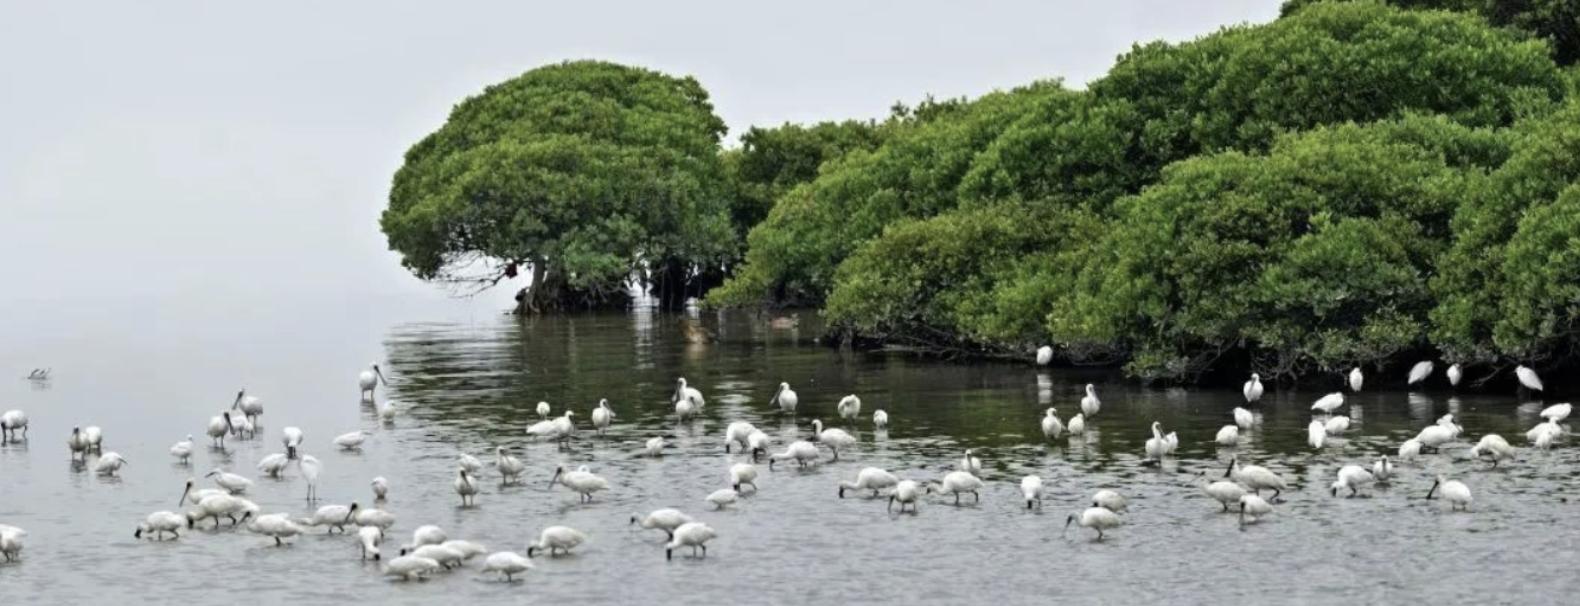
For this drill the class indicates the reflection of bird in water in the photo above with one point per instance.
(695, 333)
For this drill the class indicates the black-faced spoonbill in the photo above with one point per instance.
(369, 381)
(869, 478)
(160, 522)
(690, 534)
(1253, 388)
(1096, 518)
(666, 520)
(1454, 491)
(508, 563)
(556, 540)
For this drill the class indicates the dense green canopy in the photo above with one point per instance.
(586, 172)
(1356, 183)
(1344, 186)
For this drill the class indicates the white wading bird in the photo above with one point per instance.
(785, 398)
(369, 381)
(1090, 404)
(1454, 491)
(869, 478)
(1096, 518)
(1253, 388)
(666, 520)
(690, 534)
(557, 539)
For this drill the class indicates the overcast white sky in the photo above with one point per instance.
(213, 150)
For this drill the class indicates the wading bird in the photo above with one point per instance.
(1352, 477)
(581, 481)
(1329, 403)
(1096, 518)
(722, 498)
(1222, 491)
(1455, 373)
(465, 487)
(310, 468)
(557, 539)
(1494, 447)
(690, 534)
(160, 522)
(1243, 418)
(508, 563)
(250, 406)
(905, 493)
(510, 468)
(1044, 355)
(1419, 372)
(1254, 507)
(182, 450)
(1356, 379)
(109, 464)
(849, 407)
(602, 416)
(1090, 404)
(277, 526)
(666, 520)
(369, 381)
(1255, 477)
(1454, 491)
(958, 483)
(834, 437)
(1051, 426)
(351, 440)
(291, 437)
(743, 473)
(11, 421)
(688, 393)
(880, 419)
(1031, 490)
(381, 488)
(785, 399)
(1528, 378)
(1253, 388)
(869, 478)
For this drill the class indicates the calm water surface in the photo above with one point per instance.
(470, 380)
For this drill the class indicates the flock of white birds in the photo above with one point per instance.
(431, 551)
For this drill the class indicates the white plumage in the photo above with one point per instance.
(1356, 379)
(869, 478)
(1329, 403)
(666, 520)
(1031, 490)
(1455, 373)
(800, 451)
(1044, 355)
(690, 534)
(508, 563)
(1419, 372)
(581, 481)
(1228, 435)
(833, 437)
(906, 492)
(958, 483)
(1253, 388)
(1454, 491)
(1090, 404)
(557, 539)
(1352, 477)
(466, 488)
(1494, 447)
(602, 416)
(351, 440)
(1243, 418)
(1051, 426)
(160, 522)
(849, 407)
(1096, 518)
(785, 398)
(277, 526)
(1528, 378)
(109, 464)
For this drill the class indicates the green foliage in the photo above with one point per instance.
(1314, 256)
(1236, 89)
(1545, 161)
(587, 171)
(1326, 64)
(792, 255)
(771, 161)
(1555, 21)
(1541, 268)
(978, 276)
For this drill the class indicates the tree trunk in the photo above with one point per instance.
(535, 298)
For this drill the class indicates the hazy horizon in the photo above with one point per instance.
(208, 153)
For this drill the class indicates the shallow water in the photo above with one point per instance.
(469, 381)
